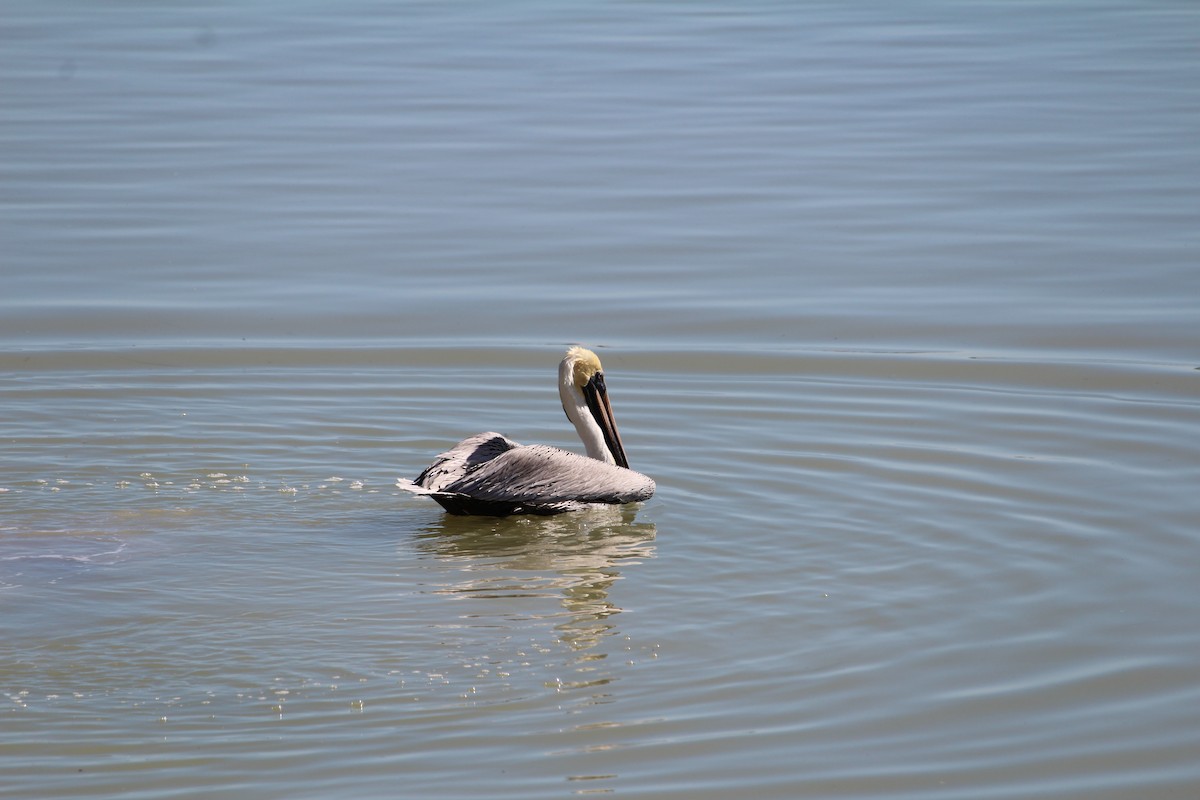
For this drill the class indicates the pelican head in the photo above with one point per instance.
(585, 399)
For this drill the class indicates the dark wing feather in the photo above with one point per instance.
(463, 458)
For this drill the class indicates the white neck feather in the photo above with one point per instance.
(581, 416)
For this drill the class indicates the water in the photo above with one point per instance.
(898, 304)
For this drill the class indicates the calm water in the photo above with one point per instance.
(899, 304)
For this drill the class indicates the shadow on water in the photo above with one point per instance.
(575, 558)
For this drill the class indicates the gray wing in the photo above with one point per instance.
(538, 476)
(461, 459)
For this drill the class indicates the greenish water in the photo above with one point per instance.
(897, 303)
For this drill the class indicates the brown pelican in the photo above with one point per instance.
(493, 475)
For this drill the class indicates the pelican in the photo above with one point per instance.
(492, 475)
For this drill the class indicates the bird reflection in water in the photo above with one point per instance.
(575, 557)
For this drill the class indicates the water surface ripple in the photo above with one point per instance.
(863, 573)
(898, 304)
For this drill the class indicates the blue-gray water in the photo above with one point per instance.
(899, 304)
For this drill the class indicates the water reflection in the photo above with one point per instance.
(573, 557)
